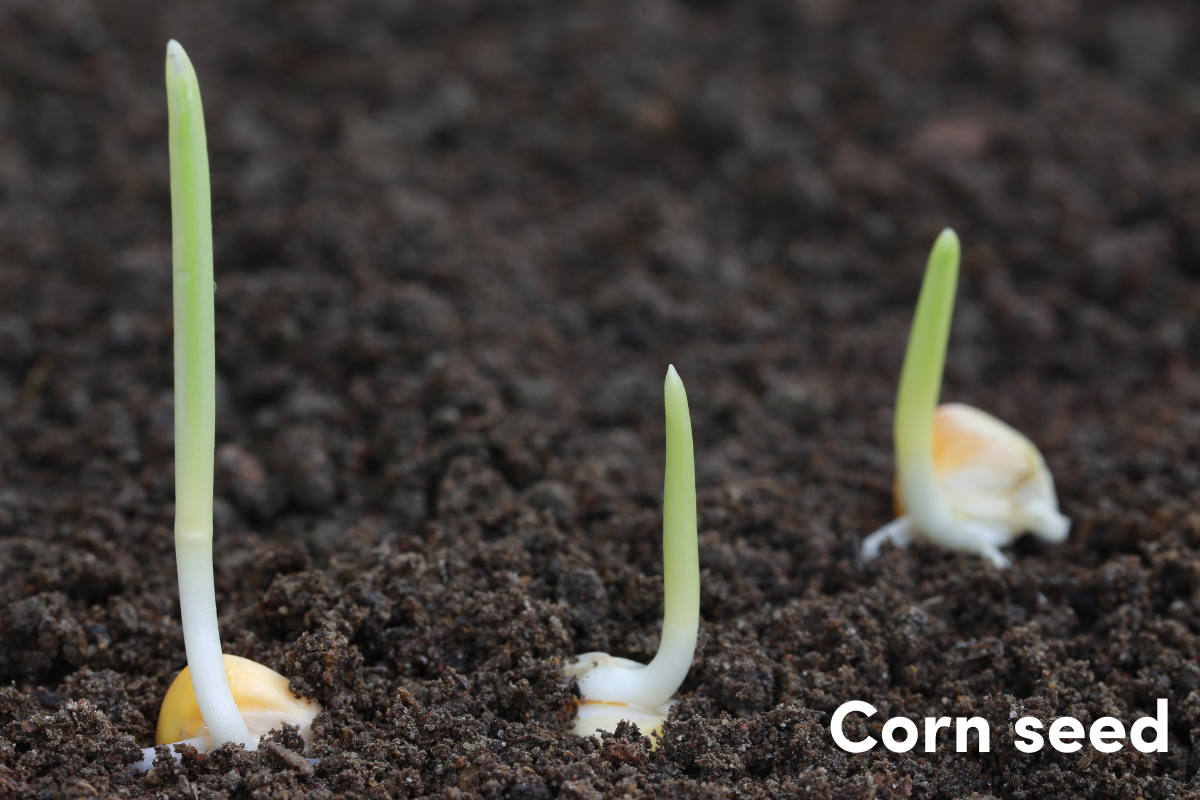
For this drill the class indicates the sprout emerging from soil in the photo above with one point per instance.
(200, 705)
(964, 480)
(614, 689)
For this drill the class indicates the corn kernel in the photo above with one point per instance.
(991, 474)
(261, 694)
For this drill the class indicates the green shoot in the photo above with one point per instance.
(921, 383)
(681, 555)
(195, 399)
(616, 688)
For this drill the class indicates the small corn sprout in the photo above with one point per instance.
(200, 705)
(614, 689)
(964, 480)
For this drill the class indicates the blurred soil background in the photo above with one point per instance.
(458, 243)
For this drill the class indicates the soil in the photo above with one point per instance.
(458, 243)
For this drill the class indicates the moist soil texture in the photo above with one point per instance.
(458, 243)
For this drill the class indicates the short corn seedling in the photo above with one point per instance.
(964, 480)
(614, 689)
(215, 699)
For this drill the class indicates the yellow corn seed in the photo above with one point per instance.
(261, 694)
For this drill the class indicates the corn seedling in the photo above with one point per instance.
(201, 707)
(964, 480)
(614, 689)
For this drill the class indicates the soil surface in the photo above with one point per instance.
(458, 243)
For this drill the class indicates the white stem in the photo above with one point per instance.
(202, 638)
(924, 503)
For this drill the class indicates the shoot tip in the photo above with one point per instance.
(946, 246)
(177, 59)
(673, 386)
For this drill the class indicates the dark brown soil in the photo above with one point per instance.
(458, 243)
